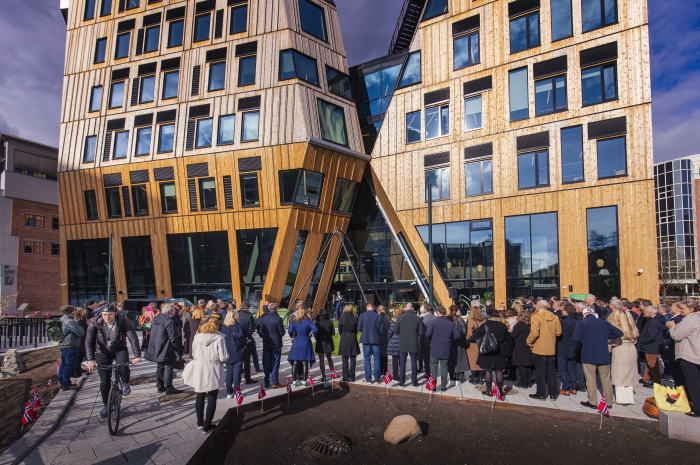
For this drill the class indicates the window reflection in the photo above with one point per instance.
(255, 248)
(294, 268)
(603, 252)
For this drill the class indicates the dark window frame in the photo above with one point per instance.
(55, 225)
(426, 18)
(527, 90)
(480, 96)
(345, 125)
(298, 184)
(211, 65)
(527, 31)
(134, 196)
(296, 73)
(561, 155)
(537, 153)
(136, 142)
(116, 45)
(32, 247)
(280, 175)
(602, 67)
(439, 106)
(115, 139)
(92, 95)
(102, 7)
(468, 35)
(238, 7)
(108, 191)
(170, 33)
(440, 188)
(200, 188)
(33, 217)
(160, 129)
(253, 56)
(403, 70)
(55, 249)
(602, 16)
(94, 154)
(89, 10)
(243, 120)
(481, 162)
(161, 189)
(551, 20)
(196, 133)
(350, 98)
(618, 136)
(218, 129)
(420, 129)
(111, 91)
(165, 74)
(323, 15)
(145, 38)
(554, 94)
(195, 24)
(244, 204)
(90, 196)
(141, 87)
(103, 41)
(356, 186)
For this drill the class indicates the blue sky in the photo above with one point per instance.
(32, 42)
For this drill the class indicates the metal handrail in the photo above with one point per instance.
(18, 332)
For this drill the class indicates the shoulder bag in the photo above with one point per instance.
(488, 343)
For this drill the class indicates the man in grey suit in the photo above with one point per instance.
(409, 327)
(427, 318)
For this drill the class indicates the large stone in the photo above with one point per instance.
(401, 428)
(680, 426)
(12, 363)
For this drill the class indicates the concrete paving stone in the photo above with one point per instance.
(188, 449)
(82, 456)
(141, 461)
(144, 437)
(115, 458)
(179, 461)
(43, 457)
(191, 434)
(170, 429)
(82, 444)
(140, 427)
(162, 456)
(107, 449)
(149, 448)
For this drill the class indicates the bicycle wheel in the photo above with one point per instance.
(113, 404)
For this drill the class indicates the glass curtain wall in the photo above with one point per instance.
(254, 253)
(318, 272)
(138, 267)
(294, 268)
(603, 252)
(87, 270)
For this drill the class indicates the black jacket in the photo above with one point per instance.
(393, 345)
(236, 336)
(246, 319)
(409, 327)
(442, 333)
(347, 327)
(270, 329)
(522, 353)
(384, 339)
(653, 335)
(164, 344)
(566, 347)
(426, 320)
(324, 336)
(495, 360)
(96, 338)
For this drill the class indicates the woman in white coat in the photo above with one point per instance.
(204, 372)
(624, 357)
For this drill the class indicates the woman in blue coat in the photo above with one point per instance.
(236, 336)
(302, 352)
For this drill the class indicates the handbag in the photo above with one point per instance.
(650, 409)
(488, 343)
(671, 398)
(147, 326)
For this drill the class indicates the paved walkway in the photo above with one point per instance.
(164, 432)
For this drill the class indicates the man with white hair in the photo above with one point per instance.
(591, 302)
(650, 341)
(164, 349)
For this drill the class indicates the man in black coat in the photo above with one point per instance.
(650, 341)
(409, 327)
(442, 334)
(271, 330)
(246, 319)
(164, 349)
(427, 318)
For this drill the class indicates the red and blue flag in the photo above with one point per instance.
(49, 383)
(36, 402)
(262, 393)
(310, 380)
(430, 384)
(29, 414)
(496, 392)
(387, 377)
(603, 406)
(239, 396)
(333, 374)
(289, 386)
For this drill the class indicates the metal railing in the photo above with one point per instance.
(22, 332)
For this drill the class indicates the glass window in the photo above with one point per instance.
(54, 223)
(96, 98)
(598, 13)
(308, 191)
(411, 73)
(116, 94)
(533, 169)
(204, 132)
(239, 19)
(34, 221)
(168, 199)
(148, 87)
(472, 113)
(313, 19)
(166, 138)
(525, 32)
(170, 83)
(435, 8)
(217, 76)
(562, 19)
(572, 154)
(152, 38)
(100, 50)
(138, 267)
(466, 50)
(143, 141)
(139, 200)
(106, 7)
(207, 193)
(201, 27)
(255, 248)
(132, 4)
(297, 65)
(114, 202)
(89, 12)
(437, 121)
(294, 268)
(122, 48)
(332, 120)
(251, 122)
(479, 177)
(200, 265)
(175, 32)
(439, 181)
(338, 83)
(55, 249)
(288, 185)
(344, 196)
(90, 205)
(550, 95)
(413, 132)
(517, 90)
(603, 252)
(227, 125)
(121, 145)
(612, 157)
(36, 247)
(249, 190)
(87, 270)
(599, 83)
(90, 149)
(246, 70)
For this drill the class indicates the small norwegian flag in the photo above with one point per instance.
(239, 396)
(310, 380)
(262, 393)
(430, 384)
(334, 375)
(603, 406)
(49, 383)
(36, 402)
(58, 367)
(496, 392)
(29, 414)
(387, 377)
(289, 386)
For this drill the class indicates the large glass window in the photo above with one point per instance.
(106, 7)
(121, 145)
(344, 196)
(437, 121)
(150, 44)
(598, 13)
(249, 190)
(87, 271)
(318, 271)
(207, 193)
(116, 94)
(204, 132)
(603, 252)
(175, 33)
(95, 98)
(246, 70)
(413, 131)
(199, 264)
(313, 19)
(294, 268)
(332, 120)
(533, 169)
(550, 95)
(89, 12)
(562, 19)
(114, 202)
(466, 50)
(217, 76)
(338, 83)
(479, 177)
(90, 205)
(379, 86)
(439, 181)
(147, 91)
(251, 121)
(239, 19)
(143, 141)
(435, 8)
(90, 149)
(166, 138)
(294, 64)
(201, 27)
(572, 154)
(525, 32)
(612, 157)
(411, 73)
(130, 4)
(100, 50)
(139, 200)
(309, 188)
(532, 255)
(138, 267)
(227, 125)
(288, 185)
(170, 83)
(518, 95)
(122, 48)
(168, 197)
(472, 113)
(255, 248)
(599, 83)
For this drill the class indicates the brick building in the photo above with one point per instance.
(29, 227)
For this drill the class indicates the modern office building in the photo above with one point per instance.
(221, 143)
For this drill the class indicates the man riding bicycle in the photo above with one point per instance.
(105, 342)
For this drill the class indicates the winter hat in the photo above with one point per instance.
(588, 310)
(67, 309)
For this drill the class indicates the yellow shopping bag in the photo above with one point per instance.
(673, 399)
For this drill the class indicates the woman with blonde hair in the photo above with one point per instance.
(393, 344)
(203, 373)
(624, 357)
(302, 352)
(522, 353)
(348, 348)
(236, 336)
(475, 320)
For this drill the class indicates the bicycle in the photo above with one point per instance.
(115, 397)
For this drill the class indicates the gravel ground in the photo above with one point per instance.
(453, 432)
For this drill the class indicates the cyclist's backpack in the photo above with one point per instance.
(54, 331)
